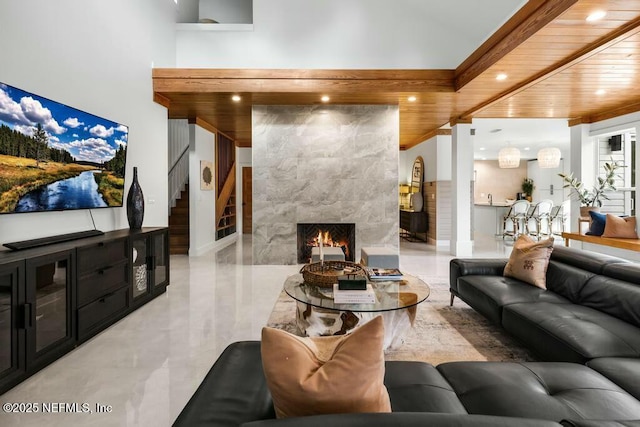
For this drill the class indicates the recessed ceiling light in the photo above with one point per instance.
(495, 130)
(597, 15)
(601, 92)
(526, 148)
(501, 76)
(325, 98)
(482, 148)
(411, 99)
(236, 98)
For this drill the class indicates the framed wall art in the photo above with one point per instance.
(206, 175)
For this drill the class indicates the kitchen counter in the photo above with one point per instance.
(489, 217)
(498, 205)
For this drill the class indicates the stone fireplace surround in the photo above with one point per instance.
(323, 164)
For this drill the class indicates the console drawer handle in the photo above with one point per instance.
(102, 271)
(104, 298)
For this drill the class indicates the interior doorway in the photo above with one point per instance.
(247, 197)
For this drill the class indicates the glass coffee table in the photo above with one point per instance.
(396, 301)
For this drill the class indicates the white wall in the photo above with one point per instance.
(188, 11)
(202, 203)
(436, 153)
(352, 34)
(227, 11)
(96, 58)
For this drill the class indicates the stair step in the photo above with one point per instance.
(183, 202)
(178, 220)
(179, 229)
(179, 250)
(179, 210)
(178, 240)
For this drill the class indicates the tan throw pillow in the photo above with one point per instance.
(529, 260)
(326, 375)
(623, 228)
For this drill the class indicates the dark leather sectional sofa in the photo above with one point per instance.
(596, 310)
(591, 307)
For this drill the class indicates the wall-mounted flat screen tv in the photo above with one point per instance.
(55, 157)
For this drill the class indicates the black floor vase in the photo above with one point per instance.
(135, 203)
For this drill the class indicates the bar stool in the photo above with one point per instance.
(515, 217)
(538, 216)
(558, 215)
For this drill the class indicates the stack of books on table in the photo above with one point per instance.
(383, 273)
(366, 296)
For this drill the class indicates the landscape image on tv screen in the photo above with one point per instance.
(55, 157)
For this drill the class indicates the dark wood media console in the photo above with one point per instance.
(54, 298)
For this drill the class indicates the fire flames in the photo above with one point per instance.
(324, 238)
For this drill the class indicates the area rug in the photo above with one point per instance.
(440, 333)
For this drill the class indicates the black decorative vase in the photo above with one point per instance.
(135, 203)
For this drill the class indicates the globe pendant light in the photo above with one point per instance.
(549, 157)
(509, 158)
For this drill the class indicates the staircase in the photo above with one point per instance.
(179, 225)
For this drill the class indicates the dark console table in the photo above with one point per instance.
(413, 222)
(53, 298)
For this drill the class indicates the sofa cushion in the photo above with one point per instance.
(570, 332)
(567, 280)
(419, 387)
(621, 228)
(488, 294)
(629, 272)
(586, 260)
(552, 391)
(612, 296)
(404, 419)
(233, 392)
(598, 222)
(529, 260)
(600, 423)
(325, 375)
(621, 370)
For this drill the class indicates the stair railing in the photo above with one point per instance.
(178, 177)
(178, 159)
(225, 194)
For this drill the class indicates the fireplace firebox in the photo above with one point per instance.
(342, 235)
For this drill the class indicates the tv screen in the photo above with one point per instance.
(55, 157)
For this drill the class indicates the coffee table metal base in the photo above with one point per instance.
(316, 321)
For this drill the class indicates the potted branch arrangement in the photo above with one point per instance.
(591, 199)
(528, 187)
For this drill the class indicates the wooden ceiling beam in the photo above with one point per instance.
(425, 137)
(161, 99)
(532, 17)
(168, 86)
(309, 74)
(627, 30)
(611, 113)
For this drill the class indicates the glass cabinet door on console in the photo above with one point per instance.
(140, 266)
(150, 273)
(49, 306)
(12, 362)
(160, 245)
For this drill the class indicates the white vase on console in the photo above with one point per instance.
(417, 202)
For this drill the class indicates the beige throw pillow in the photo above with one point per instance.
(326, 375)
(529, 260)
(623, 228)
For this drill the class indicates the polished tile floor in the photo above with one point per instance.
(148, 365)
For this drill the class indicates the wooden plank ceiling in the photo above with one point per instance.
(558, 65)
